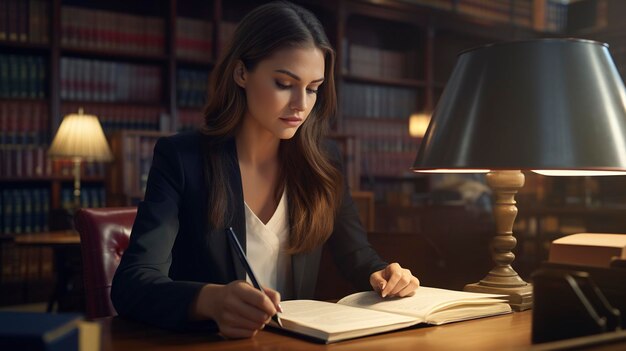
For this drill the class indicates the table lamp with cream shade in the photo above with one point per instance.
(552, 106)
(80, 138)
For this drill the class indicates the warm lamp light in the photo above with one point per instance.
(549, 104)
(80, 138)
(418, 124)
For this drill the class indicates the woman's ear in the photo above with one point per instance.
(240, 74)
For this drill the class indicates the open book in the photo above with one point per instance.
(366, 313)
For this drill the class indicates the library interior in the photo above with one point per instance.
(415, 83)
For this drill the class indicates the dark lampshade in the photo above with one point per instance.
(546, 104)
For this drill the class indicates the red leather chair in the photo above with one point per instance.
(104, 235)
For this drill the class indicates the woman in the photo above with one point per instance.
(261, 166)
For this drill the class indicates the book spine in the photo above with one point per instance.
(4, 20)
(12, 20)
(5, 82)
(22, 19)
(7, 211)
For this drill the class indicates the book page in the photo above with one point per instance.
(335, 318)
(425, 301)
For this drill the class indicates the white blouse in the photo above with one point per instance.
(265, 249)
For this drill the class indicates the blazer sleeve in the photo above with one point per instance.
(353, 254)
(141, 287)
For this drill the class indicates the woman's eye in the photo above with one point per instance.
(312, 91)
(282, 86)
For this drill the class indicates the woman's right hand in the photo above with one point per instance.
(239, 309)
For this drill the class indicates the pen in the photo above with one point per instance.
(244, 260)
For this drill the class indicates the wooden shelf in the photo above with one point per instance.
(113, 55)
(9, 100)
(403, 177)
(410, 83)
(383, 120)
(24, 46)
(61, 178)
(115, 103)
(195, 62)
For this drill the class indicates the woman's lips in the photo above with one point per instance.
(291, 121)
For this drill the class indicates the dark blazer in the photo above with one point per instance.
(173, 252)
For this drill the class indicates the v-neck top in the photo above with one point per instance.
(265, 249)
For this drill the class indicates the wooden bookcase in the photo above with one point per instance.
(128, 175)
(142, 67)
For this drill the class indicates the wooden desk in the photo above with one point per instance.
(65, 245)
(501, 333)
(508, 332)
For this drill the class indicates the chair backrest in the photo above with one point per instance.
(104, 236)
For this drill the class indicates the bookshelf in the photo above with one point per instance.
(129, 174)
(394, 60)
(142, 67)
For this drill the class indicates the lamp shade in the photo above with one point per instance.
(546, 104)
(80, 136)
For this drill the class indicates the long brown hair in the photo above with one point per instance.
(314, 183)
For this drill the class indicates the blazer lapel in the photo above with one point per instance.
(305, 268)
(238, 220)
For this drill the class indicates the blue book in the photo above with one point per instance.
(39, 331)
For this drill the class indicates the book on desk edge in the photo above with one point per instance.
(366, 313)
(36, 331)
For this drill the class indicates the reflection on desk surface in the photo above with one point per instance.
(508, 332)
(505, 332)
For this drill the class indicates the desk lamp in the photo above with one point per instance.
(80, 138)
(552, 106)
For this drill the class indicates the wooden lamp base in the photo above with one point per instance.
(503, 279)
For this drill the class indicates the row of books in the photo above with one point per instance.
(120, 117)
(22, 76)
(91, 196)
(25, 21)
(106, 30)
(27, 209)
(373, 62)
(372, 127)
(24, 210)
(376, 101)
(137, 158)
(93, 80)
(190, 119)
(23, 124)
(397, 143)
(440, 4)
(387, 163)
(518, 12)
(24, 264)
(29, 161)
(191, 87)
(392, 193)
(542, 15)
(555, 17)
(194, 39)
(387, 155)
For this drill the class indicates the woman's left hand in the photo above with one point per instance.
(394, 281)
